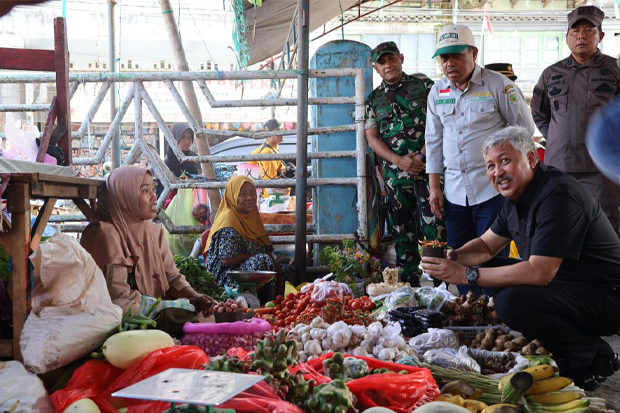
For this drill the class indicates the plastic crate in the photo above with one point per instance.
(470, 332)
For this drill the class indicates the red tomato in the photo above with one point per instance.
(290, 304)
(279, 299)
(356, 305)
(290, 296)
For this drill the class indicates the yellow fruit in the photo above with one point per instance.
(458, 400)
(543, 371)
(548, 385)
(480, 406)
(475, 395)
(563, 407)
(503, 381)
(554, 398)
(443, 397)
(496, 408)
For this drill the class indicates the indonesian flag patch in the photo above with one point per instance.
(444, 92)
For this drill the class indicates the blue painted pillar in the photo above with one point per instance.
(335, 206)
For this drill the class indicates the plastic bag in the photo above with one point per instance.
(72, 313)
(220, 337)
(325, 290)
(259, 399)
(482, 355)
(403, 297)
(452, 359)
(430, 298)
(97, 380)
(435, 338)
(23, 387)
(180, 213)
(399, 392)
(23, 141)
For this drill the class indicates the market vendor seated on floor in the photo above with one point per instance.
(238, 240)
(130, 249)
(566, 290)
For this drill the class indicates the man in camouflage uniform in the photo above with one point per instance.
(395, 123)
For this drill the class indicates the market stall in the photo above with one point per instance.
(326, 347)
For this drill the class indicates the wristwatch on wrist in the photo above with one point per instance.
(472, 276)
(422, 156)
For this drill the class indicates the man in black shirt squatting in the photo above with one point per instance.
(565, 290)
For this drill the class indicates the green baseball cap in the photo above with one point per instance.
(383, 48)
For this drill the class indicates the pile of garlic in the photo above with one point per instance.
(318, 338)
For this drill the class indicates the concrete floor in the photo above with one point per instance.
(610, 390)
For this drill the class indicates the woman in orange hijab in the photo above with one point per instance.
(130, 249)
(238, 241)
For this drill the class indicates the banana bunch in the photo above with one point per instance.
(542, 391)
(462, 394)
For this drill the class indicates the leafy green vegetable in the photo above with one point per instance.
(199, 277)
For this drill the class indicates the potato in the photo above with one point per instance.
(511, 346)
(541, 351)
(480, 337)
(509, 337)
(496, 348)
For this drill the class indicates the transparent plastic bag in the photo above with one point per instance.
(436, 338)
(452, 359)
(403, 297)
(481, 355)
(430, 298)
(325, 290)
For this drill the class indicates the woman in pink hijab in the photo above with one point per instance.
(131, 250)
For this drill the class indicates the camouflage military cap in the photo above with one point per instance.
(383, 48)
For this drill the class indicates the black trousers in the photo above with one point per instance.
(569, 318)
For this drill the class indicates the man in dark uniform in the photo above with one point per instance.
(566, 290)
(565, 98)
(395, 123)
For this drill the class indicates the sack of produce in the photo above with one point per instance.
(498, 364)
(218, 338)
(452, 359)
(434, 339)
(22, 390)
(72, 313)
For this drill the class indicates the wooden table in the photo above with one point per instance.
(20, 239)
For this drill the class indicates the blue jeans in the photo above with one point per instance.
(464, 223)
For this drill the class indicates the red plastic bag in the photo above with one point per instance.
(238, 352)
(399, 392)
(97, 380)
(88, 381)
(259, 398)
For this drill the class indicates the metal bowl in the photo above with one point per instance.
(254, 277)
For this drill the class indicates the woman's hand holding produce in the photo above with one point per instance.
(204, 304)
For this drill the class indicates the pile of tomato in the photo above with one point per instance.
(299, 308)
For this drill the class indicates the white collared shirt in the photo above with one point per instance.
(457, 124)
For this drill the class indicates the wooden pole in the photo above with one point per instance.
(190, 97)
